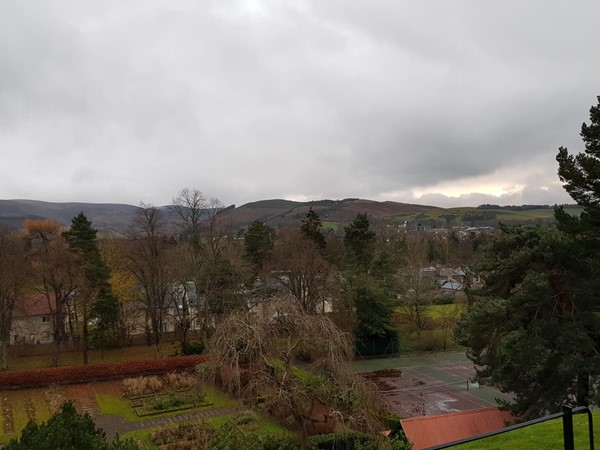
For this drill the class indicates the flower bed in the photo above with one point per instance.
(161, 403)
(173, 392)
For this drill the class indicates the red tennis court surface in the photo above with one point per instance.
(433, 389)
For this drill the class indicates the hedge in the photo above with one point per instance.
(344, 441)
(96, 372)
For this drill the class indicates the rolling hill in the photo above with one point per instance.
(278, 213)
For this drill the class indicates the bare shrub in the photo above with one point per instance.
(30, 409)
(153, 384)
(54, 399)
(135, 387)
(183, 437)
(180, 380)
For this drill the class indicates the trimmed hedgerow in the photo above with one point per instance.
(97, 372)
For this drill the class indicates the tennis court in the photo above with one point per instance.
(417, 385)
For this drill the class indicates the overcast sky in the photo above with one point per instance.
(435, 102)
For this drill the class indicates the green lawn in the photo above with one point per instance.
(543, 436)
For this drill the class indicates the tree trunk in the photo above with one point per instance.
(157, 343)
(4, 354)
(56, 352)
(58, 332)
(583, 389)
(84, 334)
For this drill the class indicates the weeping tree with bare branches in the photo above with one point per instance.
(253, 355)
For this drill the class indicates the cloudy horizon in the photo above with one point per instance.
(451, 103)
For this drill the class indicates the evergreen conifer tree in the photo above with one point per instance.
(97, 303)
(312, 228)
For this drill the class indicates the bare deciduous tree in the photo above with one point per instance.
(418, 288)
(59, 271)
(13, 280)
(206, 261)
(150, 264)
(299, 266)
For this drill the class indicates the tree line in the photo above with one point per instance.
(192, 275)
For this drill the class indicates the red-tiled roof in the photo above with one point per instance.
(34, 304)
(427, 431)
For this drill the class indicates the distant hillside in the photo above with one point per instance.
(285, 213)
(104, 216)
(278, 213)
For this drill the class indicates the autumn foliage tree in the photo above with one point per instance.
(114, 252)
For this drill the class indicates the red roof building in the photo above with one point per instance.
(427, 431)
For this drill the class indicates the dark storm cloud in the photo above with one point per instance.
(128, 101)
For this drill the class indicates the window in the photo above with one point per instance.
(45, 319)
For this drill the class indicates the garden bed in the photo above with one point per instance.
(167, 402)
(156, 395)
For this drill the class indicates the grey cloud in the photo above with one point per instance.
(124, 101)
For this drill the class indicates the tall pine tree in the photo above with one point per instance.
(96, 300)
(312, 228)
(370, 280)
(534, 329)
(359, 241)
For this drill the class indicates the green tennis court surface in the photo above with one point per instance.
(429, 384)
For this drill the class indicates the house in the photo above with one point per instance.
(449, 280)
(449, 274)
(428, 431)
(32, 320)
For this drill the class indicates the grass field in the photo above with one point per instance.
(502, 215)
(543, 436)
